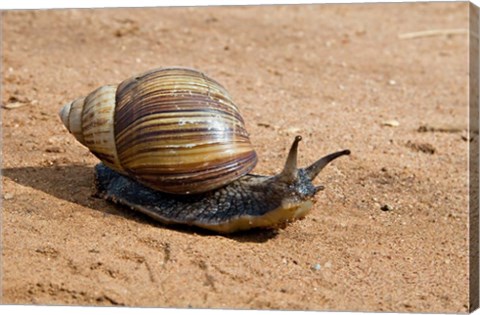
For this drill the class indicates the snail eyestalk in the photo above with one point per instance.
(289, 173)
(313, 170)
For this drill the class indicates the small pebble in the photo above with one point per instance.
(292, 130)
(328, 264)
(386, 208)
(391, 123)
(8, 196)
(14, 105)
(392, 82)
(316, 267)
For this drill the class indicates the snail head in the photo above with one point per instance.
(292, 190)
(301, 179)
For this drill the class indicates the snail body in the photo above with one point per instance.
(174, 146)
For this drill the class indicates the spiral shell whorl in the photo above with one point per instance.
(71, 117)
(178, 131)
(90, 120)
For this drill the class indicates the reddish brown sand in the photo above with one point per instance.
(339, 75)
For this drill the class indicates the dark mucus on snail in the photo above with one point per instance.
(173, 146)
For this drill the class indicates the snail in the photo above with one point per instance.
(173, 145)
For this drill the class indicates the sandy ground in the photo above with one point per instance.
(339, 75)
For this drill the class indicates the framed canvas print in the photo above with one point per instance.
(318, 157)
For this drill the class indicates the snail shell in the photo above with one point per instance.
(174, 130)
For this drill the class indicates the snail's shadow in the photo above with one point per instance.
(75, 183)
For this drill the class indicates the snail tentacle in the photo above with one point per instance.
(316, 167)
(289, 173)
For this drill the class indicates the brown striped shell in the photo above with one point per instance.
(175, 130)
